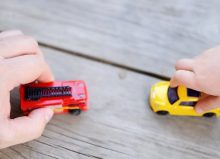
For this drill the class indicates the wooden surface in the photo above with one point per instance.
(131, 33)
(120, 48)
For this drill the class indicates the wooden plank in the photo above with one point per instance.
(119, 123)
(147, 35)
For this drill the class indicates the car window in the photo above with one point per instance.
(35, 93)
(172, 95)
(192, 93)
(189, 103)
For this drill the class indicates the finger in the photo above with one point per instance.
(5, 104)
(46, 75)
(25, 69)
(27, 128)
(184, 64)
(185, 78)
(208, 103)
(203, 95)
(10, 33)
(19, 45)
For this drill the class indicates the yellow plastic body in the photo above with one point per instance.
(159, 101)
(62, 109)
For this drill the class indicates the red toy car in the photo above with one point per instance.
(63, 96)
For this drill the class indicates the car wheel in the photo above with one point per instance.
(209, 115)
(75, 111)
(162, 112)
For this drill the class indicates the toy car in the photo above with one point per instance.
(62, 96)
(176, 101)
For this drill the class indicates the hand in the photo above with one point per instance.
(201, 73)
(21, 62)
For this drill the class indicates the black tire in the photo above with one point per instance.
(75, 111)
(209, 115)
(162, 112)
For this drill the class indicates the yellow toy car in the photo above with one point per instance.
(176, 101)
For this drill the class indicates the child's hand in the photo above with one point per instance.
(21, 62)
(203, 74)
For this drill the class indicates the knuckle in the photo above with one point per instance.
(178, 74)
(180, 60)
(18, 31)
(4, 70)
(32, 42)
(15, 32)
(177, 64)
(42, 62)
(37, 133)
(180, 63)
(6, 73)
(199, 83)
(3, 67)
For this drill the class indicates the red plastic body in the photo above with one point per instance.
(59, 95)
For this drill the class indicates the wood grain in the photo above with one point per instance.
(119, 123)
(147, 35)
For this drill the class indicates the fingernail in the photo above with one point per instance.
(48, 115)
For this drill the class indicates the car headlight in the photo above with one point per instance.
(153, 94)
(158, 103)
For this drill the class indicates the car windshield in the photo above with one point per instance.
(172, 95)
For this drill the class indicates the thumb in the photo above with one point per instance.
(30, 127)
(207, 103)
(185, 78)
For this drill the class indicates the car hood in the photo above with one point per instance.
(159, 91)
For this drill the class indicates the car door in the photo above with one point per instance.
(186, 107)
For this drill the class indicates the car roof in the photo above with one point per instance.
(183, 96)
